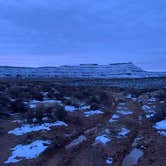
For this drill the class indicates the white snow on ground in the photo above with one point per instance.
(76, 142)
(94, 112)
(102, 139)
(123, 132)
(109, 161)
(124, 112)
(149, 111)
(151, 100)
(122, 104)
(161, 127)
(162, 133)
(30, 151)
(34, 120)
(149, 116)
(85, 107)
(27, 128)
(44, 93)
(114, 118)
(34, 103)
(107, 131)
(129, 96)
(146, 108)
(67, 97)
(17, 121)
(134, 99)
(45, 118)
(70, 108)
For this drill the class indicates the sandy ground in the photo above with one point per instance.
(88, 152)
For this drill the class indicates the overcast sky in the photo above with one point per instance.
(55, 32)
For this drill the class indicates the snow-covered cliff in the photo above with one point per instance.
(118, 70)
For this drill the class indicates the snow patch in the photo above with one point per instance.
(85, 107)
(161, 127)
(149, 116)
(45, 118)
(149, 111)
(163, 133)
(94, 112)
(70, 108)
(146, 108)
(102, 139)
(27, 128)
(33, 103)
(30, 151)
(123, 132)
(114, 118)
(151, 100)
(17, 121)
(122, 104)
(109, 161)
(124, 112)
(129, 96)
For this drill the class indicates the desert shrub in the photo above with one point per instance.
(107, 100)
(81, 94)
(58, 96)
(2, 87)
(67, 102)
(30, 115)
(4, 112)
(4, 99)
(19, 92)
(75, 102)
(104, 97)
(35, 94)
(75, 119)
(161, 113)
(60, 113)
(14, 92)
(39, 114)
(162, 95)
(18, 106)
(35, 115)
(51, 94)
(52, 112)
(94, 99)
(46, 86)
(94, 106)
(38, 96)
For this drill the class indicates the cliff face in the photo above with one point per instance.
(118, 70)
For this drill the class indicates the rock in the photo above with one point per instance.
(76, 142)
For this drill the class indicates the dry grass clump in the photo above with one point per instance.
(43, 113)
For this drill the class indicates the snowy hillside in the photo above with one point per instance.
(118, 70)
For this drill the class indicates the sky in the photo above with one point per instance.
(60, 32)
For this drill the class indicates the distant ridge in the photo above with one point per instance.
(82, 64)
(115, 70)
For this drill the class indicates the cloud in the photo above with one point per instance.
(53, 27)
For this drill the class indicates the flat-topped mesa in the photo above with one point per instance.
(116, 70)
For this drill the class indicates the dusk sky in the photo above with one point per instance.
(59, 32)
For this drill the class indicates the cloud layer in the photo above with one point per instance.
(111, 29)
